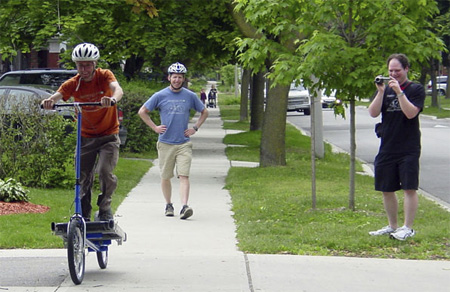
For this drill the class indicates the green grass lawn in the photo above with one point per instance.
(443, 111)
(272, 206)
(33, 230)
(273, 214)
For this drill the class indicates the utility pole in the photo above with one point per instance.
(236, 81)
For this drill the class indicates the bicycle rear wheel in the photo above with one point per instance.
(75, 252)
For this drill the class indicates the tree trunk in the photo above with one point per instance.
(317, 144)
(447, 91)
(272, 150)
(434, 94)
(133, 65)
(313, 152)
(257, 102)
(246, 73)
(351, 200)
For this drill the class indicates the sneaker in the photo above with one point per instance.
(105, 215)
(403, 233)
(385, 230)
(169, 210)
(186, 212)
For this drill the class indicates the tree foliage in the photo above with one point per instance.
(140, 32)
(441, 27)
(342, 43)
(347, 41)
(266, 40)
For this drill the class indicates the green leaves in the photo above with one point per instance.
(143, 33)
(13, 191)
(36, 149)
(343, 43)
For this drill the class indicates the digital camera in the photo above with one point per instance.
(381, 79)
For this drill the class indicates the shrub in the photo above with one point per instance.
(36, 149)
(140, 137)
(12, 191)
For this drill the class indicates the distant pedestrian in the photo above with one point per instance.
(174, 104)
(397, 162)
(203, 96)
(212, 96)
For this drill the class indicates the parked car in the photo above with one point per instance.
(21, 97)
(441, 85)
(42, 78)
(25, 97)
(299, 99)
(328, 101)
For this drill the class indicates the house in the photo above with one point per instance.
(46, 57)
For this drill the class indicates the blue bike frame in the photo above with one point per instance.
(77, 200)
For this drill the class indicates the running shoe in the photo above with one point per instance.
(169, 210)
(186, 212)
(385, 230)
(403, 233)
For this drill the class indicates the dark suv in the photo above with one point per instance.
(44, 78)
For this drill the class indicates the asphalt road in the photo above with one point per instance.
(435, 158)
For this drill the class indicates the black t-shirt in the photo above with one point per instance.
(400, 134)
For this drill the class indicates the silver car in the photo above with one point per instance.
(299, 99)
(441, 85)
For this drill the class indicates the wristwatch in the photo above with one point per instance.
(195, 128)
(400, 94)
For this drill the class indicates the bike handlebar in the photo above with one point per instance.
(75, 104)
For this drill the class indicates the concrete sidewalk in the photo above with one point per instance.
(200, 254)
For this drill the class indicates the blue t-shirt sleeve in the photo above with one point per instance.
(152, 103)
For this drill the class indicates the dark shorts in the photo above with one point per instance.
(394, 172)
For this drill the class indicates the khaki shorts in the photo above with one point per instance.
(174, 155)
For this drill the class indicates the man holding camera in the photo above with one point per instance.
(397, 163)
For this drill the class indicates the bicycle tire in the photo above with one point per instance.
(102, 259)
(76, 252)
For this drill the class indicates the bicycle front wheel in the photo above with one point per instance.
(75, 252)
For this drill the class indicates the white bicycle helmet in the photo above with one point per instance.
(85, 52)
(177, 68)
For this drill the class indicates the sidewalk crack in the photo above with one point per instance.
(249, 274)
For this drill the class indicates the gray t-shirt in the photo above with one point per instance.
(174, 109)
